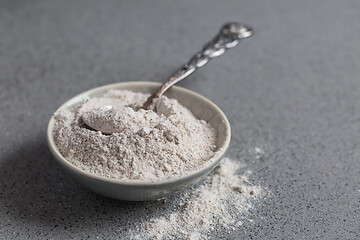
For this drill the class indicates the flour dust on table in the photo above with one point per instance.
(221, 201)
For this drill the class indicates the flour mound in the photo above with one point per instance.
(144, 144)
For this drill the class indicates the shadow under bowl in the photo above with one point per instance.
(142, 190)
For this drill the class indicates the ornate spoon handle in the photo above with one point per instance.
(228, 37)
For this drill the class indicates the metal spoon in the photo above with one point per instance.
(228, 37)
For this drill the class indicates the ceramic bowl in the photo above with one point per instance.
(142, 190)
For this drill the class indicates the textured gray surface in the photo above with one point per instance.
(292, 90)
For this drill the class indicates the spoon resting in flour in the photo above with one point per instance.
(104, 119)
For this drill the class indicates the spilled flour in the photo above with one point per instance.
(142, 144)
(219, 202)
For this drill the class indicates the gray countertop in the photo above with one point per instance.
(292, 90)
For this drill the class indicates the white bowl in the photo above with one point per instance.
(142, 190)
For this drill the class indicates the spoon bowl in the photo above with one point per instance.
(142, 190)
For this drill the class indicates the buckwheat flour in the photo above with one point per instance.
(221, 201)
(142, 145)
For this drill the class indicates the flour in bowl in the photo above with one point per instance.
(143, 144)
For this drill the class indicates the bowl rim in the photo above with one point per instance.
(211, 163)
